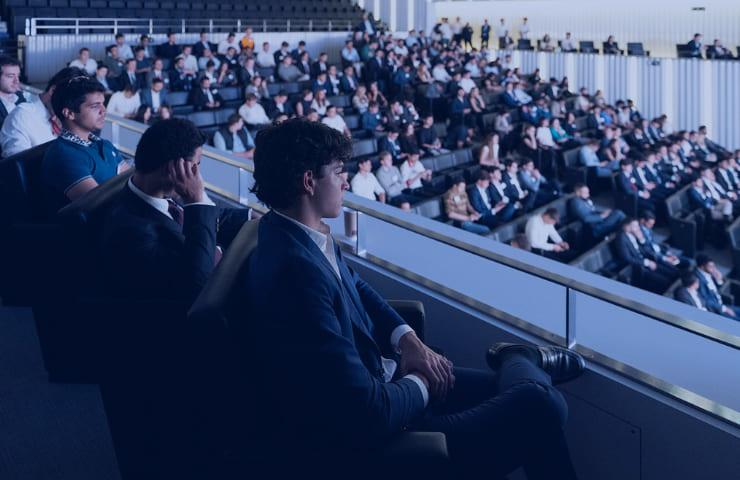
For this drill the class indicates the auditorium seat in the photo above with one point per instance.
(212, 316)
(601, 260)
(636, 49)
(587, 46)
(686, 224)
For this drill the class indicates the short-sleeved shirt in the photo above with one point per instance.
(67, 163)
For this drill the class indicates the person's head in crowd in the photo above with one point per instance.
(203, 36)
(320, 96)
(626, 166)
(158, 64)
(521, 242)
(10, 75)
(386, 160)
(79, 104)
(84, 54)
(131, 65)
(102, 71)
(157, 84)
(250, 100)
(332, 70)
(690, 281)
(128, 91)
(288, 60)
(143, 114)
(413, 157)
(703, 262)
(165, 150)
(698, 37)
(144, 40)
(495, 175)
(299, 169)
(231, 52)
(510, 87)
(234, 123)
(551, 216)
(392, 133)
(165, 112)
(205, 83)
(139, 53)
(180, 62)
(280, 118)
(527, 165)
(365, 165)
(582, 191)
(256, 81)
(112, 51)
(647, 218)
(313, 115)
(187, 50)
(512, 166)
(484, 178)
(349, 71)
(281, 97)
(707, 173)
(428, 121)
(171, 38)
(331, 111)
(120, 39)
(458, 186)
(408, 129)
(629, 225)
(207, 53)
(266, 47)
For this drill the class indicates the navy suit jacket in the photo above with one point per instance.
(625, 184)
(146, 97)
(696, 200)
(476, 201)
(710, 300)
(584, 212)
(627, 252)
(682, 295)
(317, 341)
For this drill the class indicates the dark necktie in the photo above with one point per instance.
(176, 211)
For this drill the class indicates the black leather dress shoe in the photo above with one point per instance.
(560, 363)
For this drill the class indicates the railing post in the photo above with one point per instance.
(182, 28)
(330, 25)
(287, 25)
(151, 26)
(77, 26)
(310, 25)
(238, 24)
(115, 26)
(210, 26)
(264, 26)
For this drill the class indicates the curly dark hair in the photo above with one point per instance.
(167, 141)
(284, 152)
(72, 93)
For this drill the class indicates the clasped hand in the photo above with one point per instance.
(434, 369)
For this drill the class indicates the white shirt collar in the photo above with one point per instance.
(159, 204)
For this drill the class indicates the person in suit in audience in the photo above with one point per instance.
(390, 144)
(493, 210)
(348, 82)
(130, 77)
(372, 120)
(719, 51)
(710, 284)
(321, 65)
(674, 261)
(460, 211)
(646, 273)
(154, 96)
(727, 177)
(203, 98)
(279, 105)
(78, 160)
(627, 184)
(514, 189)
(695, 46)
(11, 94)
(366, 394)
(689, 291)
(170, 49)
(601, 221)
(542, 189)
(108, 84)
(181, 80)
(485, 33)
(158, 239)
(203, 44)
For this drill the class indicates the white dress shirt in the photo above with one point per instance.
(156, 102)
(540, 233)
(544, 137)
(711, 285)
(9, 101)
(122, 106)
(191, 63)
(223, 46)
(694, 294)
(90, 67)
(26, 126)
(265, 59)
(326, 245)
(366, 185)
(484, 196)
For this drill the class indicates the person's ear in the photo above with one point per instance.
(309, 182)
(68, 114)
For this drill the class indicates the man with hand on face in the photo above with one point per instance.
(78, 160)
(340, 373)
(162, 225)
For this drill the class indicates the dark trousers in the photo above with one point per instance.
(498, 422)
(607, 225)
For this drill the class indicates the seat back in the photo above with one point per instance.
(429, 208)
(20, 187)
(635, 48)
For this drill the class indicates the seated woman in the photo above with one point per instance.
(320, 102)
(407, 140)
(375, 95)
(360, 100)
(543, 157)
(489, 152)
(478, 108)
(560, 135)
(303, 105)
(422, 74)
(226, 76)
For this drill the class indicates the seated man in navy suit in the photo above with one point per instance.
(646, 273)
(150, 246)
(710, 283)
(338, 371)
(601, 221)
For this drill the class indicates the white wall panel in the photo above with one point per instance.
(659, 24)
(556, 65)
(726, 99)
(585, 72)
(615, 78)
(649, 99)
(690, 94)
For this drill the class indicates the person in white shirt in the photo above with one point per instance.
(190, 62)
(335, 121)
(124, 50)
(265, 59)
(440, 74)
(208, 56)
(85, 62)
(252, 112)
(229, 41)
(413, 171)
(524, 29)
(502, 28)
(124, 103)
(446, 31)
(523, 97)
(365, 184)
(544, 135)
(467, 83)
(541, 233)
(33, 123)
(568, 44)
(11, 94)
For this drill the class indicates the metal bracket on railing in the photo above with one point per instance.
(77, 26)
(151, 26)
(210, 26)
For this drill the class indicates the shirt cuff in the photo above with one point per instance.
(397, 333)
(206, 201)
(422, 388)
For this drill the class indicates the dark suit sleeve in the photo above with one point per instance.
(683, 296)
(586, 215)
(477, 202)
(625, 253)
(323, 364)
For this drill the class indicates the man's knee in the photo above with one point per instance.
(543, 404)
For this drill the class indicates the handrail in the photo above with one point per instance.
(39, 25)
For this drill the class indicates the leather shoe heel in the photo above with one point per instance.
(561, 364)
